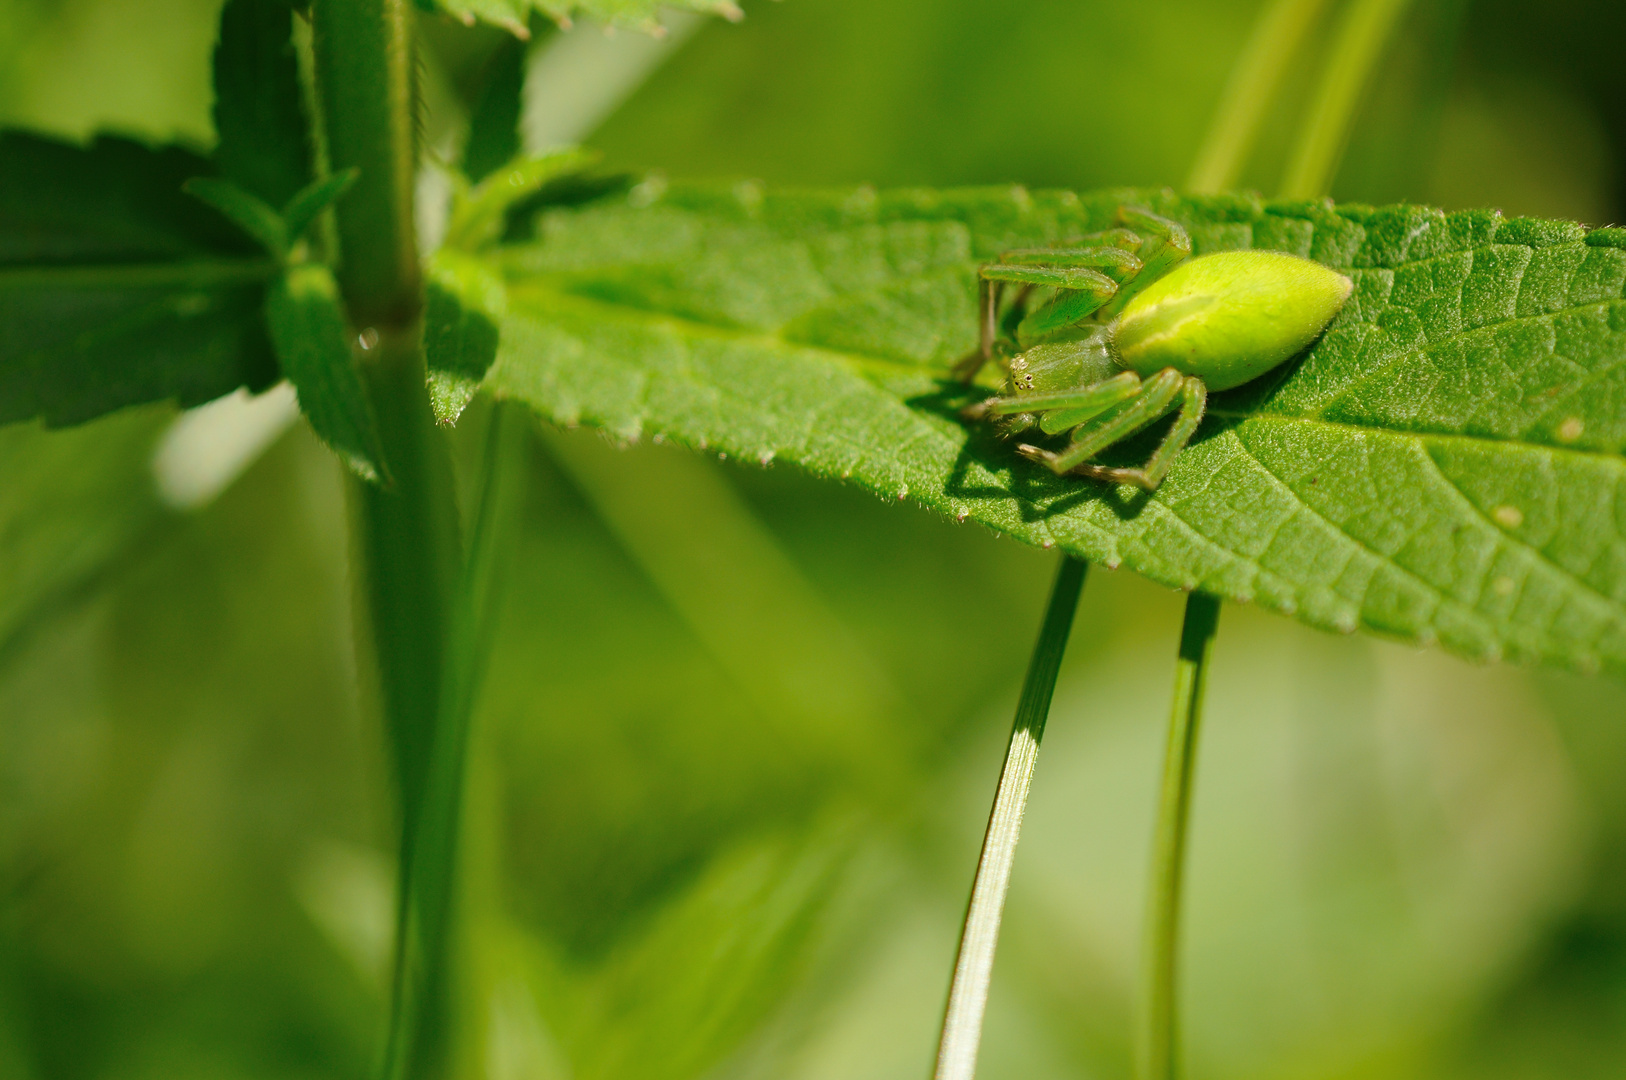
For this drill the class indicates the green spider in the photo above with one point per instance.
(1115, 330)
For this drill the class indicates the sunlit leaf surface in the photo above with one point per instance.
(1442, 466)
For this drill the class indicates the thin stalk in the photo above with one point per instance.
(1356, 46)
(974, 965)
(408, 557)
(421, 1037)
(365, 82)
(1253, 83)
(1158, 1050)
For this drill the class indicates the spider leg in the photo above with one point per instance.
(1167, 244)
(1194, 401)
(988, 291)
(1085, 402)
(1073, 271)
(1155, 400)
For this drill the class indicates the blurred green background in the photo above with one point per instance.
(740, 733)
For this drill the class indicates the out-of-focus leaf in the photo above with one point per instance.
(494, 124)
(1441, 466)
(465, 302)
(264, 145)
(312, 199)
(246, 210)
(635, 14)
(313, 344)
(715, 962)
(116, 287)
(477, 217)
(72, 502)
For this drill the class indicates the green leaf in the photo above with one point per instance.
(494, 123)
(312, 199)
(634, 14)
(115, 287)
(313, 344)
(264, 140)
(477, 216)
(247, 211)
(1443, 466)
(465, 302)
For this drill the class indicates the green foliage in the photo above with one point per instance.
(1439, 467)
(115, 287)
(313, 344)
(309, 202)
(276, 232)
(244, 209)
(479, 214)
(636, 14)
(264, 143)
(73, 501)
(494, 123)
(465, 302)
(465, 298)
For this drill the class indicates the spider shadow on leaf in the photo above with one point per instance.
(1040, 493)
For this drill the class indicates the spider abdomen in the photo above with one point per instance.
(1229, 317)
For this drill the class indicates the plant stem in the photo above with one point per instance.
(1160, 1032)
(1356, 47)
(407, 553)
(365, 81)
(407, 559)
(421, 1037)
(1253, 82)
(974, 965)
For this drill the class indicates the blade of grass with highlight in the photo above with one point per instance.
(1358, 43)
(974, 965)
(1249, 91)
(1159, 1035)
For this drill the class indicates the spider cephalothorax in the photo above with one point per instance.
(1111, 332)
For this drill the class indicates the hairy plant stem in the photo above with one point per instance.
(1356, 47)
(407, 552)
(1254, 79)
(1158, 1044)
(974, 965)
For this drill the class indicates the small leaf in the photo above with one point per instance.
(264, 143)
(477, 217)
(494, 125)
(514, 15)
(115, 287)
(1444, 465)
(312, 199)
(248, 212)
(466, 301)
(313, 344)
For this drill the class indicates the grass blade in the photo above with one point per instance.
(1358, 43)
(1248, 93)
(974, 965)
(1160, 1032)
